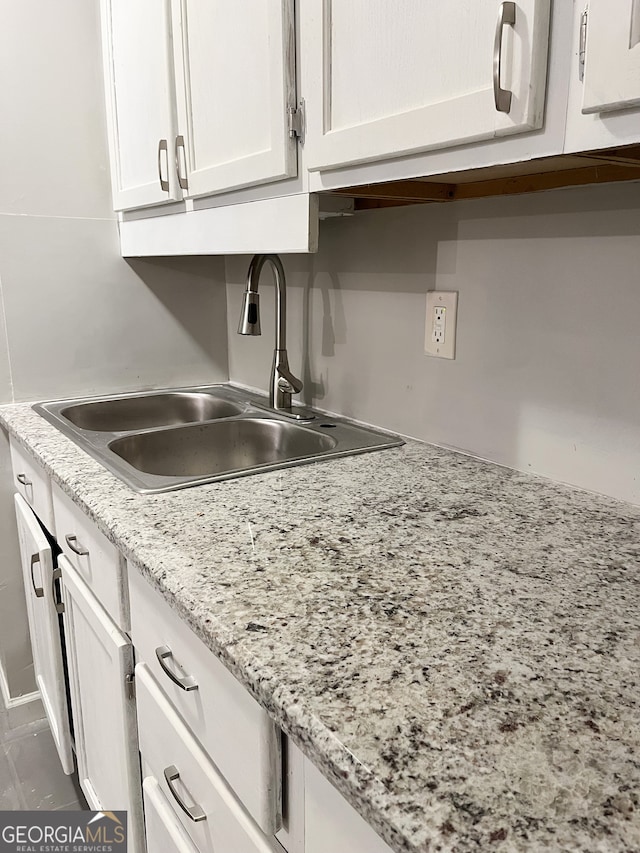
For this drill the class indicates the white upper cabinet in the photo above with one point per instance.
(235, 82)
(389, 77)
(604, 92)
(612, 55)
(139, 96)
(198, 96)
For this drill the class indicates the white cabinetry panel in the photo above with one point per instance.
(612, 60)
(236, 732)
(139, 93)
(92, 556)
(331, 824)
(385, 78)
(37, 566)
(33, 484)
(235, 79)
(100, 659)
(206, 806)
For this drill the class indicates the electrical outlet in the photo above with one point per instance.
(440, 331)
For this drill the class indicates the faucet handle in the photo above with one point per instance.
(287, 382)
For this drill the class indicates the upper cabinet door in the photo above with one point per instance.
(42, 612)
(235, 80)
(389, 77)
(612, 60)
(140, 103)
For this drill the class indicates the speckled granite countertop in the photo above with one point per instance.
(456, 645)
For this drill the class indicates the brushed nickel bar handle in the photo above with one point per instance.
(59, 605)
(506, 17)
(183, 183)
(162, 146)
(24, 480)
(195, 812)
(76, 547)
(39, 591)
(186, 682)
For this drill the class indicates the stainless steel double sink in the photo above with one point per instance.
(164, 440)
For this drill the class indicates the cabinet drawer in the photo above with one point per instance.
(33, 483)
(93, 557)
(163, 830)
(202, 800)
(238, 735)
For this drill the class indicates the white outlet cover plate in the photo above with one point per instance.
(449, 301)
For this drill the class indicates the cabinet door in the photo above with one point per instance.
(100, 661)
(388, 77)
(235, 80)
(42, 612)
(138, 68)
(612, 60)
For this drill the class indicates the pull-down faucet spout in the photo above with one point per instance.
(282, 383)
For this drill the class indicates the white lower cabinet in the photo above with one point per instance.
(202, 800)
(209, 755)
(217, 774)
(233, 729)
(100, 660)
(42, 611)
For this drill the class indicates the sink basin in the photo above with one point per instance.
(160, 441)
(149, 410)
(219, 447)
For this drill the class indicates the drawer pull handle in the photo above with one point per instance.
(24, 480)
(76, 547)
(186, 682)
(39, 591)
(195, 812)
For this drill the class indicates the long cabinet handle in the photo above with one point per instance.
(186, 682)
(506, 17)
(24, 480)
(76, 547)
(39, 591)
(183, 183)
(162, 146)
(195, 812)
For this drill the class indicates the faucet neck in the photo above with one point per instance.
(253, 279)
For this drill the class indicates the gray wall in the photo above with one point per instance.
(75, 318)
(547, 374)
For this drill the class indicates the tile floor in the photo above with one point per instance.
(30, 773)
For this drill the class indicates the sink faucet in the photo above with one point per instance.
(282, 383)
